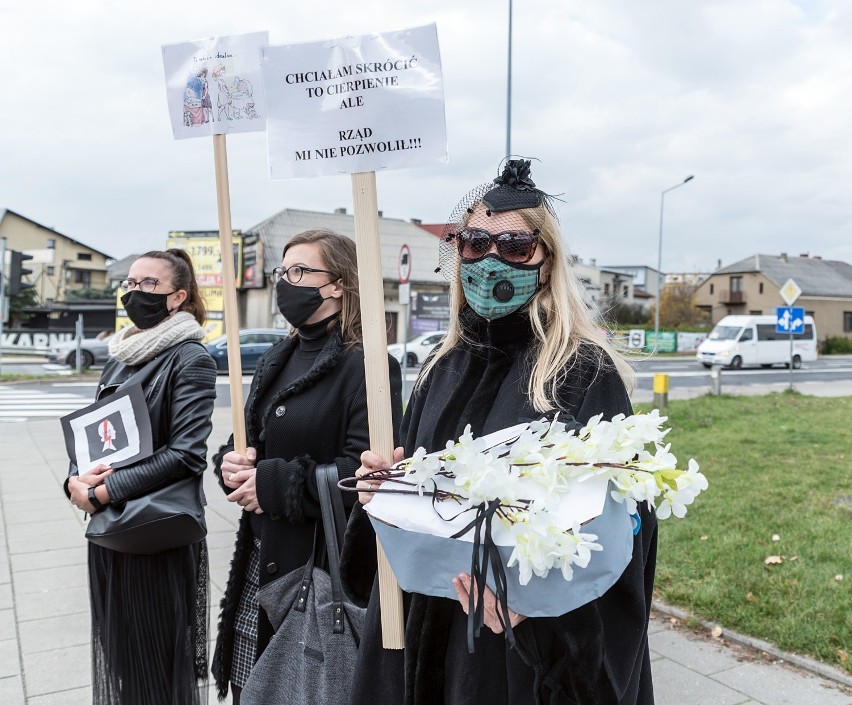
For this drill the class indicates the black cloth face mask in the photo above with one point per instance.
(298, 303)
(145, 309)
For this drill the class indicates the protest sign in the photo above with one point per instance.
(213, 85)
(355, 104)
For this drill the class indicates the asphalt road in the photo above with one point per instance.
(685, 374)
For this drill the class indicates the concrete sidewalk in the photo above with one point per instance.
(44, 619)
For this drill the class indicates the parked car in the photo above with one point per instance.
(417, 349)
(93, 351)
(253, 343)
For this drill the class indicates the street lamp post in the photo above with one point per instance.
(660, 263)
(509, 90)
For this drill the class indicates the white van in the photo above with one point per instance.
(738, 341)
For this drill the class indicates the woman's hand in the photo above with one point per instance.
(96, 475)
(370, 462)
(79, 492)
(462, 584)
(246, 493)
(233, 463)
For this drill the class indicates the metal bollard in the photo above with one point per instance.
(716, 380)
(661, 391)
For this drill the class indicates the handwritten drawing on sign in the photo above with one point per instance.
(214, 86)
(355, 104)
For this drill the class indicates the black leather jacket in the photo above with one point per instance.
(180, 388)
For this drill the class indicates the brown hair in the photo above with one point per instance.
(183, 277)
(339, 256)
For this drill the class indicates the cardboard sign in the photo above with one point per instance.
(115, 431)
(214, 86)
(355, 104)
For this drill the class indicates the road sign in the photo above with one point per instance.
(404, 264)
(790, 319)
(790, 292)
(636, 338)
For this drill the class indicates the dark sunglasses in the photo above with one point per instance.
(512, 245)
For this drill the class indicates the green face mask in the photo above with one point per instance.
(495, 288)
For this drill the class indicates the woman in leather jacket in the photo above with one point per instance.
(149, 612)
(307, 407)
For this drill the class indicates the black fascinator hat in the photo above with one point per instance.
(512, 190)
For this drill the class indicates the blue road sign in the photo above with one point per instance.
(790, 319)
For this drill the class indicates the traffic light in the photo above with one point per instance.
(17, 272)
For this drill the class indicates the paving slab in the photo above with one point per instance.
(10, 664)
(677, 685)
(701, 656)
(51, 603)
(50, 559)
(69, 576)
(774, 685)
(12, 691)
(58, 632)
(56, 671)
(77, 696)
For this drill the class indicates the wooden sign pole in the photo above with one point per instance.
(371, 290)
(229, 293)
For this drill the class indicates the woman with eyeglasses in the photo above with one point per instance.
(307, 407)
(521, 345)
(149, 612)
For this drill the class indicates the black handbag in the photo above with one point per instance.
(310, 660)
(168, 517)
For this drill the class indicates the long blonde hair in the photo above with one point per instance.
(560, 319)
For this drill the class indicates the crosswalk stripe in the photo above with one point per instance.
(21, 404)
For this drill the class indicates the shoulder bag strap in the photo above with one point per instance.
(333, 527)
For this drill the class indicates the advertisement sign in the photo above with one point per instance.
(252, 268)
(667, 341)
(433, 306)
(214, 85)
(355, 104)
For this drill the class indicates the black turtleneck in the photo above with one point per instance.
(312, 339)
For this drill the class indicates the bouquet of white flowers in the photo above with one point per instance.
(543, 496)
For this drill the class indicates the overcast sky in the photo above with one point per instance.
(618, 99)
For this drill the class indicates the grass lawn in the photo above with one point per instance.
(780, 475)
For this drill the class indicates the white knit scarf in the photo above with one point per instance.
(133, 346)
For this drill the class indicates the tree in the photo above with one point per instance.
(677, 306)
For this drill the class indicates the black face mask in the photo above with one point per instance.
(146, 310)
(298, 303)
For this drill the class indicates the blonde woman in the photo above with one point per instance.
(521, 345)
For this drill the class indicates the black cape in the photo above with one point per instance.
(594, 655)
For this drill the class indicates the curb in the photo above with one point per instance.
(806, 664)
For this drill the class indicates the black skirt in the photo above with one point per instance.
(149, 626)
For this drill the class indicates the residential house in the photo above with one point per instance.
(752, 286)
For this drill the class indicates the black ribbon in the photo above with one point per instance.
(484, 552)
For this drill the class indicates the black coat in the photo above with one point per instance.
(594, 655)
(321, 419)
(180, 390)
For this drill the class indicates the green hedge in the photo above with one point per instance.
(836, 346)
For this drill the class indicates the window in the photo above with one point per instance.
(847, 321)
(606, 289)
(49, 270)
(51, 243)
(736, 284)
(766, 331)
(748, 334)
(84, 256)
(711, 289)
(83, 277)
(760, 287)
(626, 292)
(755, 313)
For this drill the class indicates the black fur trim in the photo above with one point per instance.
(293, 490)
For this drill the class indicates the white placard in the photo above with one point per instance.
(214, 85)
(355, 104)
